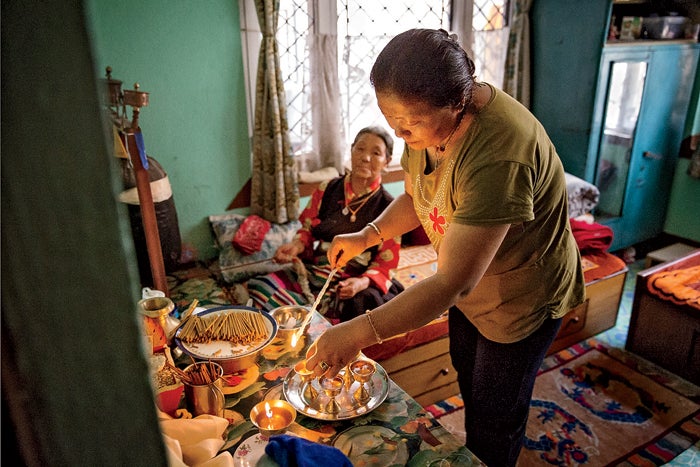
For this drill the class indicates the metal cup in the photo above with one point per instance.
(206, 398)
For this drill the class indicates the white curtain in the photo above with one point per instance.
(491, 47)
(328, 134)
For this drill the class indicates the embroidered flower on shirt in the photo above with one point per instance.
(438, 221)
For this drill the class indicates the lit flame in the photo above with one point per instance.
(268, 410)
(294, 340)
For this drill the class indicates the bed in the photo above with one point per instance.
(668, 293)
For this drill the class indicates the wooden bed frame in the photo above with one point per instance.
(664, 332)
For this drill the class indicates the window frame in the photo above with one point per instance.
(325, 21)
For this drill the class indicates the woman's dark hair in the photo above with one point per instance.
(382, 133)
(426, 65)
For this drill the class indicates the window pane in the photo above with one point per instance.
(364, 28)
(294, 27)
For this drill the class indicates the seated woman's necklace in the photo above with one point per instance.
(350, 205)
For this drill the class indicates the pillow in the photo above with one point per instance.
(235, 266)
(583, 196)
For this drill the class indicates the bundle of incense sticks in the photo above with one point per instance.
(243, 328)
(198, 374)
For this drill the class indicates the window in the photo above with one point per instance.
(362, 29)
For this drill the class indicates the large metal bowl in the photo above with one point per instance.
(233, 358)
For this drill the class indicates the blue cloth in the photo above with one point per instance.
(292, 451)
(141, 145)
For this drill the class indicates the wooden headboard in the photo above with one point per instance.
(242, 199)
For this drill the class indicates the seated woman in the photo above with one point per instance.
(342, 205)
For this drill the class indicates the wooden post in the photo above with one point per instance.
(148, 212)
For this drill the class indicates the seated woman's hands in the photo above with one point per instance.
(349, 287)
(287, 252)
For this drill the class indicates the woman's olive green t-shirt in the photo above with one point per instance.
(505, 170)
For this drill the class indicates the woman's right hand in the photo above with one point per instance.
(345, 247)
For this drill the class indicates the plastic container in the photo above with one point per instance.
(665, 27)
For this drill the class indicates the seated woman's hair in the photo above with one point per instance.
(383, 134)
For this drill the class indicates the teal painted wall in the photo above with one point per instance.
(188, 57)
(682, 218)
(567, 42)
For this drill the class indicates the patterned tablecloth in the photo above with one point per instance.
(396, 432)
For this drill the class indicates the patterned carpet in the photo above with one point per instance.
(451, 415)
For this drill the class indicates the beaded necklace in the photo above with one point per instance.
(350, 205)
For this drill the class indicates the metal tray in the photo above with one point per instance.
(377, 387)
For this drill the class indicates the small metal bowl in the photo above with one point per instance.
(273, 417)
(289, 320)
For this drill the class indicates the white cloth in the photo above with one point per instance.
(160, 191)
(195, 441)
(320, 175)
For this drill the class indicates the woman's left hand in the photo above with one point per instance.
(351, 286)
(333, 350)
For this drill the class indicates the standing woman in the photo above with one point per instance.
(486, 183)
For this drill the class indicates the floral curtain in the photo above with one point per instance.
(517, 70)
(274, 190)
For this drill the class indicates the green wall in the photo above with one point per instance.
(567, 42)
(188, 57)
(682, 218)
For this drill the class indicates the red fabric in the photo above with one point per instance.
(600, 265)
(591, 238)
(434, 330)
(250, 234)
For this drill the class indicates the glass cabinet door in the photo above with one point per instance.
(624, 98)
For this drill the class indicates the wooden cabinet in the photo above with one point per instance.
(641, 105)
(573, 72)
(425, 372)
(597, 314)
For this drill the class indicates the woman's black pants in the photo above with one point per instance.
(496, 381)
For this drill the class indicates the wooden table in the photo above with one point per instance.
(398, 431)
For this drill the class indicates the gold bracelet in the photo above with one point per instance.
(376, 229)
(371, 323)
